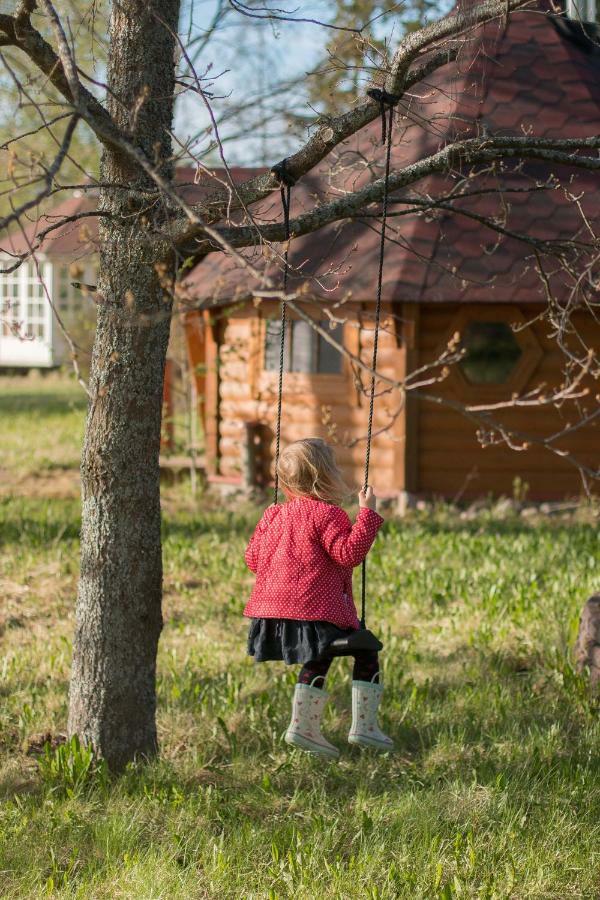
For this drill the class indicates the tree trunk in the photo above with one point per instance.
(119, 619)
(587, 648)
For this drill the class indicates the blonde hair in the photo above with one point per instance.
(307, 468)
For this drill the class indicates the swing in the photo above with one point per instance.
(362, 639)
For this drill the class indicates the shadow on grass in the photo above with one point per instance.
(36, 532)
(507, 754)
(231, 524)
(488, 527)
(222, 524)
(452, 734)
(43, 404)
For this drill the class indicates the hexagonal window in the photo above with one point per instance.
(491, 352)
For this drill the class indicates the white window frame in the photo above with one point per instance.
(582, 10)
(34, 302)
(25, 304)
(66, 302)
(10, 302)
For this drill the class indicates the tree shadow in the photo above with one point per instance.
(44, 404)
(485, 526)
(500, 754)
(36, 531)
(222, 524)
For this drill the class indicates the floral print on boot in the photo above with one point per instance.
(304, 730)
(365, 731)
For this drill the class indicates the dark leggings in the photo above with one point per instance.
(366, 668)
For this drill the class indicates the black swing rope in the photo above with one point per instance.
(286, 183)
(386, 105)
(387, 102)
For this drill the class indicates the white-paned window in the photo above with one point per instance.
(24, 310)
(10, 302)
(35, 318)
(65, 301)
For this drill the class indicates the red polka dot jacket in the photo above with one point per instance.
(303, 553)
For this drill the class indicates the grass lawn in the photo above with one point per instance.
(494, 791)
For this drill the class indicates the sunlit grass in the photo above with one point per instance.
(494, 791)
(42, 425)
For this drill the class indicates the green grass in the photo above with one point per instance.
(494, 791)
(42, 424)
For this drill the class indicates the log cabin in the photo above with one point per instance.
(446, 275)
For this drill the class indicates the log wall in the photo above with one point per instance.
(442, 456)
(451, 461)
(328, 406)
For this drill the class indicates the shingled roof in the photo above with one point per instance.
(528, 77)
(540, 82)
(531, 76)
(72, 237)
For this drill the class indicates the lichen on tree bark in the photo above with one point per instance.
(119, 619)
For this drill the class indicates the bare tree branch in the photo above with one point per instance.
(470, 152)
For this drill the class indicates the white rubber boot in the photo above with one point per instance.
(305, 728)
(365, 731)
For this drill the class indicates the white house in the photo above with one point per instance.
(30, 332)
(64, 241)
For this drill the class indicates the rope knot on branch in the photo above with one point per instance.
(282, 174)
(386, 101)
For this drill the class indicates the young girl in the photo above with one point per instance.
(303, 553)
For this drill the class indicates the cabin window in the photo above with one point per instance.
(305, 349)
(491, 352)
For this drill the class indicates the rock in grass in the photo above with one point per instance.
(587, 648)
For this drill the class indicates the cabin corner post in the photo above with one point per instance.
(406, 474)
(212, 392)
(195, 327)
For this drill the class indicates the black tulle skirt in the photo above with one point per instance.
(291, 640)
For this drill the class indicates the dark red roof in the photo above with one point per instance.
(541, 83)
(78, 238)
(529, 77)
(526, 78)
(73, 239)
